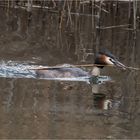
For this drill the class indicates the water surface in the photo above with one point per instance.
(32, 108)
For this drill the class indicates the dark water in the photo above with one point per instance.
(31, 108)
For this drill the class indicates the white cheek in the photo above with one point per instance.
(108, 61)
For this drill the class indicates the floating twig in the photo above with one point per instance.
(64, 66)
(73, 66)
(132, 68)
(117, 26)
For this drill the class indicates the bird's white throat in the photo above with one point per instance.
(95, 71)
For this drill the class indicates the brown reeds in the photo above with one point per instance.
(98, 25)
(134, 17)
(70, 11)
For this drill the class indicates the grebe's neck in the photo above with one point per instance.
(95, 71)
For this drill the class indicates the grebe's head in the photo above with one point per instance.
(104, 57)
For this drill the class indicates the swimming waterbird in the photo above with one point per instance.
(103, 58)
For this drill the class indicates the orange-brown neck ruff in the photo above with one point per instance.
(101, 60)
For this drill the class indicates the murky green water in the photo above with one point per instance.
(31, 108)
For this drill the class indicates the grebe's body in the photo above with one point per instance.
(102, 58)
(62, 72)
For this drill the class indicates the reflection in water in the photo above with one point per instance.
(101, 102)
(8, 101)
(32, 108)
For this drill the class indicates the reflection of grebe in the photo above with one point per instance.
(103, 58)
(100, 101)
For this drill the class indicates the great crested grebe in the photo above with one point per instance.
(102, 59)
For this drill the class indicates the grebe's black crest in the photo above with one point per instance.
(107, 53)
